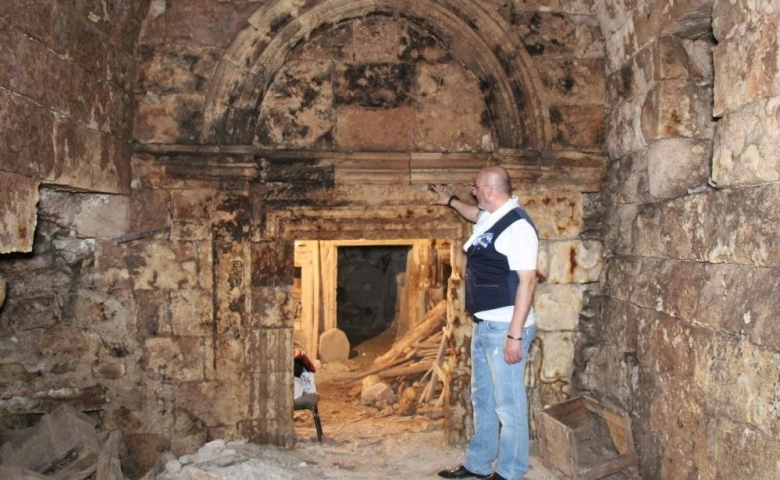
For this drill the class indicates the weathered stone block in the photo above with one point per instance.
(731, 19)
(578, 81)
(450, 111)
(68, 353)
(624, 128)
(191, 212)
(28, 129)
(738, 300)
(376, 40)
(193, 23)
(375, 85)
(670, 59)
(558, 307)
(676, 166)
(551, 33)
(161, 265)
(629, 178)
(29, 313)
(632, 79)
(164, 68)
(621, 238)
(149, 210)
(621, 270)
(612, 14)
(577, 127)
(728, 369)
(743, 71)
(607, 369)
(80, 162)
(661, 18)
(697, 226)
(102, 216)
(152, 313)
(189, 434)
(375, 130)
(191, 312)
(19, 197)
(271, 307)
(751, 453)
(175, 358)
(298, 110)
(746, 145)
(619, 324)
(334, 44)
(556, 215)
(620, 46)
(15, 372)
(677, 108)
(575, 261)
(558, 362)
(171, 118)
(271, 264)
(228, 358)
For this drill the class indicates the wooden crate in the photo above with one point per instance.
(583, 439)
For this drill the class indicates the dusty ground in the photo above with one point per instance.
(359, 441)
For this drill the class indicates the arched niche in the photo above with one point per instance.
(476, 37)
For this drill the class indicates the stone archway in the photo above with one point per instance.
(477, 38)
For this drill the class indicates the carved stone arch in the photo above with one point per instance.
(478, 38)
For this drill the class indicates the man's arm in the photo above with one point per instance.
(513, 349)
(466, 210)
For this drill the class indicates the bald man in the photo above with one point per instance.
(500, 281)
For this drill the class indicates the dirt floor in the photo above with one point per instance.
(363, 442)
(359, 442)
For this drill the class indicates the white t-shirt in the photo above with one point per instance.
(522, 255)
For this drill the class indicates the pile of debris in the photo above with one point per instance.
(66, 445)
(414, 365)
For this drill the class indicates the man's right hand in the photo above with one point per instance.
(442, 194)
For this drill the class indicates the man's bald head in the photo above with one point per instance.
(496, 177)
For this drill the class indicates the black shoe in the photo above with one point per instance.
(495, 476)
(460, 472)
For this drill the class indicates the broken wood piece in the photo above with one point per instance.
(109, 465)
(406, 370)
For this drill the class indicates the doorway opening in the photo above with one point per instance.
(384, 302)
(365, 288)
(370, 291)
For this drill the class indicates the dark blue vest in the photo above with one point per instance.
(489, 281)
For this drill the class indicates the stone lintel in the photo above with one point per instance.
(393, 168)
(450, 168)
(566, 170)
(331, 223)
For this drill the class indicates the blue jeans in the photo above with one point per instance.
(500, 404)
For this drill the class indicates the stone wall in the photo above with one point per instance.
(167, 311)
(65, 103)
(687, 336)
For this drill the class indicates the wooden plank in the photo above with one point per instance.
(329, 262)
(109, 465)
(316, 299)
(571, 412)
(560, 448)
(619, 425)
(600, 470)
